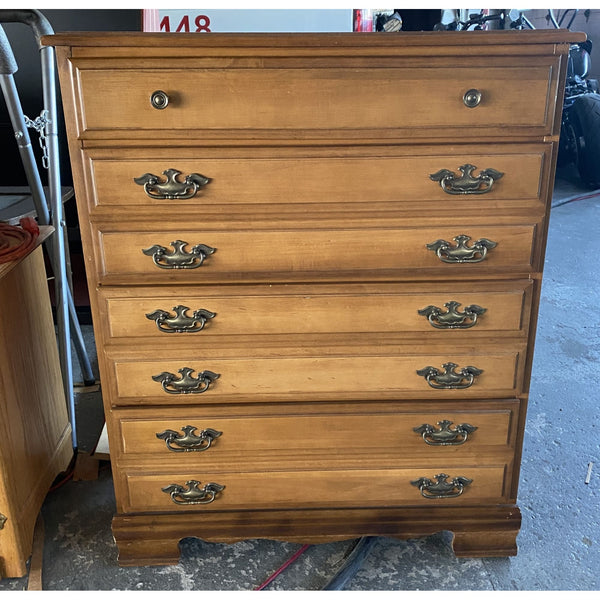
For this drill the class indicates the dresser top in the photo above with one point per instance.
(316, 40)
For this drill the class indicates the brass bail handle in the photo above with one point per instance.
(472, 98)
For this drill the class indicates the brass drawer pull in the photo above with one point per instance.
(186, 384)
(180, 322)
(452, 319)
(442, 488)
(466, 183)
(472, 98)
(159, 99)
(171, 188)
(179, 258)
(450, 379)
(193, 495)
(444, 436)
(189, 441)
(461, 253)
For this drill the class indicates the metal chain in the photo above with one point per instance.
(39, 124)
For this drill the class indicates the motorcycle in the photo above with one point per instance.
(579, 143)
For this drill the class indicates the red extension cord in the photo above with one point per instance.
(16, 242)
(282, 568)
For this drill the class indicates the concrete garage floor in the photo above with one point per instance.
(559, 544)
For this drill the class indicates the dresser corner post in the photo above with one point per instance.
(140, 548)
(495, 539)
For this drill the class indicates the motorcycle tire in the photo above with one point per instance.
(585, 119)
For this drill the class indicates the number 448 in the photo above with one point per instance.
(201, 23)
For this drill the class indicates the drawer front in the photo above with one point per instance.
(367, 99)
(310, 489)
(308, 254)
(192, 379)
(327, 179)
(280, 311)
(208, 439)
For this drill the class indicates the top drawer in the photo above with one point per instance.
(308, 99)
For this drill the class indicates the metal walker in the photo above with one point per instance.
(49, 209)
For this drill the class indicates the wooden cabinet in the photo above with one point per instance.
(315, 263)
(35, 434)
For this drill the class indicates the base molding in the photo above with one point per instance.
(153, 539)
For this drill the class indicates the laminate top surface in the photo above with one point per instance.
(6, 268)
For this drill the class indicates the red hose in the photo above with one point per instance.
(16, 242)
(64, 480)
(282, 568)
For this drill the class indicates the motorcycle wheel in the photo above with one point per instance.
(585, 120)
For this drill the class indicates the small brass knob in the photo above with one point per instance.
(159, 99)
(472, 98)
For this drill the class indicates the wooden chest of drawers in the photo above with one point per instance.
(315, 263)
